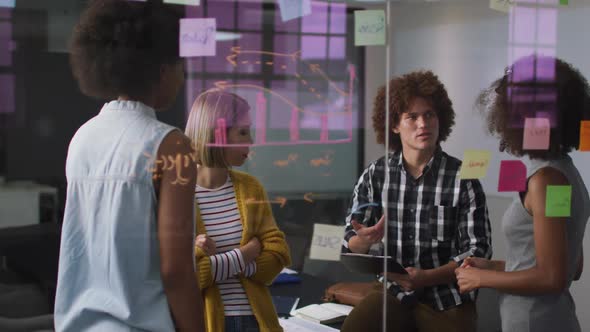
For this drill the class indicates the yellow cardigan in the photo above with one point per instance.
(257, 220)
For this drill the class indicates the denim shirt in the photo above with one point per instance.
(109, 267)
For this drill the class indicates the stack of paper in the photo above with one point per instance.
(295, 324)
(325, 313)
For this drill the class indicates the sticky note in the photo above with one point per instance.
(558, 201)
(369, 27)
(197, 37)
(584, 136)
(475, 164)
(184, 2)
(501, 5)
(536, 134)
(7, 3)
(291, 9)
(512, 176)
(326, 242)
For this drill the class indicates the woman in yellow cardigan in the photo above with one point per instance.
(239, 249)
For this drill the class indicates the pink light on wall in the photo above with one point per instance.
(260, 118)
(221, 132)
(294, 125)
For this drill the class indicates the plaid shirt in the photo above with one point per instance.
(432, 219)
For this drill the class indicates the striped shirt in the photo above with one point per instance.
(431, 219)
(220, 214)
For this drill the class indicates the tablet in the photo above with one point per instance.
(371, 264)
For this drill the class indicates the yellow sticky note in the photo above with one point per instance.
(326, 243)
(501, 5)
(584, 136)
(475, 164)
(369, 27)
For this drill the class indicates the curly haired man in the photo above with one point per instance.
(433, 217)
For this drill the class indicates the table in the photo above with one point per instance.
(309, 291)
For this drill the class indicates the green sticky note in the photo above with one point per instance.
(563, 2)
(475, 164)
(558, 201)
(369, 27)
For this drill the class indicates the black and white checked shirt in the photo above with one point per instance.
(431, 219)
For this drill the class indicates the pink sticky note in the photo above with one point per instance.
(536, 134)
(512, 176)
(197, 37)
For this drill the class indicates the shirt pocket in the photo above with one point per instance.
(442, 222)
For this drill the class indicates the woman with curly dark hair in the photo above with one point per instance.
(126, 258)
(545, 249)
(434, 218)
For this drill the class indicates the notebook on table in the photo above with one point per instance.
(325, 313)
(284, 305)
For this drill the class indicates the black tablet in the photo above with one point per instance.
(370, 264)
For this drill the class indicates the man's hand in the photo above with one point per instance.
(414, 280)
(468, 278)
(206, 243)
(370, 235)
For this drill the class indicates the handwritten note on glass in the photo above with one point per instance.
(197, 37)
(512, 176)
(558, 201)
(584, 136)
(475, 164)
(536, 134)
(501, 5)
(369, 27)
(326, 243)
(291, 9)
(184, 2)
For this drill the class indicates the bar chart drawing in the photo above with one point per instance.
(294, 126)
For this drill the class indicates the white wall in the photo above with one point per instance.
(466, 44)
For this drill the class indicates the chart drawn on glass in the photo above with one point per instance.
(238, 57)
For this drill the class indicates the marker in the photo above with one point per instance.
(464, 255)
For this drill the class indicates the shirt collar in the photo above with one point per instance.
(396, 160)
(129, 105)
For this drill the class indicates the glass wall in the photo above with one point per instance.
(332, 150)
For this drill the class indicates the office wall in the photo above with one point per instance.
(466, 44)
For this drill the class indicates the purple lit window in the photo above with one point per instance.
(338, 18)
(289, 26)
(284, 45)
(337, 48)
(223, 11)
(219, 63)
(250, 17)
(194, 11)
(317, 21)
(252, 62)
(313, 47)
